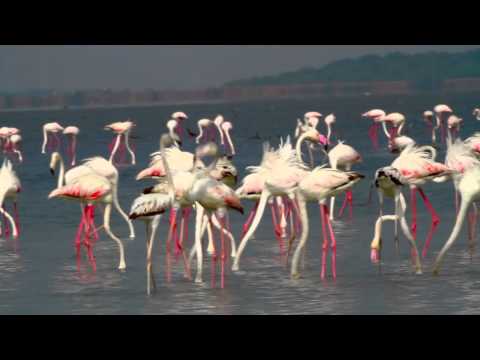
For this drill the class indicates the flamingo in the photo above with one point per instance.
(396, 142)
(180, 117)
(121, 129)
(417, 165)
(10, 187)
(343, 157)
(72, 132)
(214, 197)
(205, 126)
(476, 113)
(469, 188)
(50, 137)
(172, 126)
(227, 127)
(318, 185)
(329, 121)
(389, 181)
(281, 171)
(442, 112)
(374, 115)
(454, 123)
(428, 117)
(15, 141)
(91, 189)
(218, 121)
(96, 165)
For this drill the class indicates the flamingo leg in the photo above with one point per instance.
(79, 233)
(333, 242)
(249, 219)
(183, 235)
(413, 200)
(214, 255)
(373, 134)
(435, 221)
(16, 216)
(127, 144)
(115, 147)
(221, 218)
(325, 241)
(5, 224)
(344, 205)
(173, 224)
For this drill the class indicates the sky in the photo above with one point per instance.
(68, 67)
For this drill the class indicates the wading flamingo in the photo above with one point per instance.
(51, 140)
(96, 165)
(429, 118)
(92, 189)
(374, 115)
(122, 131)
(207, 133)
(318, 185)
(227, 127)
(469, 188)
(71, 132)
(454, 123)
(9, 188)
(329, 121)
(389, 182)
(396, 142)
(343, 157)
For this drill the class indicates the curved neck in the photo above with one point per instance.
(385, 130)
(400, 128)
(230, 142)
(45, 138)
(200, 134)
(329, 132)
(222, 140)
(298, 147)
(61, 175)
(171, 186)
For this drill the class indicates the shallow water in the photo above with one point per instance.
(39, 275)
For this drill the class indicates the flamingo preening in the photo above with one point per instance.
(442, 113)
(429, 118)
(453, 123)
(374, 115)
(122, 131)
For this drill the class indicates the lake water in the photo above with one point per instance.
(38, 272)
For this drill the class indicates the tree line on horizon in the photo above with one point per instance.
(424, 71)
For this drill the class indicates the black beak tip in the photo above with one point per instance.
(52, 171)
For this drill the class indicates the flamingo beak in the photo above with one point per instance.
(52, 171)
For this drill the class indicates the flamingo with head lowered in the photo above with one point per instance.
(72, 132)
(51, 140)
(374, 115)
(10, 187)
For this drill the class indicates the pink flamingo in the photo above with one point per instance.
(180, 118)
(172, 126)
(417, 166)
(15, 142)
(91, 189)
(454, 123)
(429, 118)
(206, 131)
(442, 112)
(396, 142)
(374, 115)
(318, 185)
(343, 157)
(218, 121)
(227, 127)
(50, 137)
(329, 121)
(72, 132)
(469, 187)
(122, 130)
(10, 187)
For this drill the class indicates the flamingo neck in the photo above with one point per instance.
(298, 147)
(61, 174)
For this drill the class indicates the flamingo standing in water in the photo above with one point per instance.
(122, 130)
(343, 157)
(218, 121)
(388, 181)
(72, 132)
(281, 171)
(172, 126)
(329, 121)
(442, 113)
(91, 189)
(318, 185)
(417, 166)
(15, 141)
(469, 188)
(9, 188)
(396, 142)
(96, 165)
(374, 115)
(51, 141)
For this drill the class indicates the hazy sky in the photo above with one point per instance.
(172, 66)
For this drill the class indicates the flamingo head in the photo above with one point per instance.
(179, 116)
(330, 119)
(428, 115)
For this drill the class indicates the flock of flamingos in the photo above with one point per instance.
(204, 182)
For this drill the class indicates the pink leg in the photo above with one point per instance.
(323, 218)
(5, 224)
(214, 256)
(17, 217)
(246, 226)
(78, 237)
(173, 224)
(373, 134)
(435, 220)
(184, 235)
(277, 231)
(333, 243)
(413, 201)
(222, 251)
(344, 205)
(350, 203)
